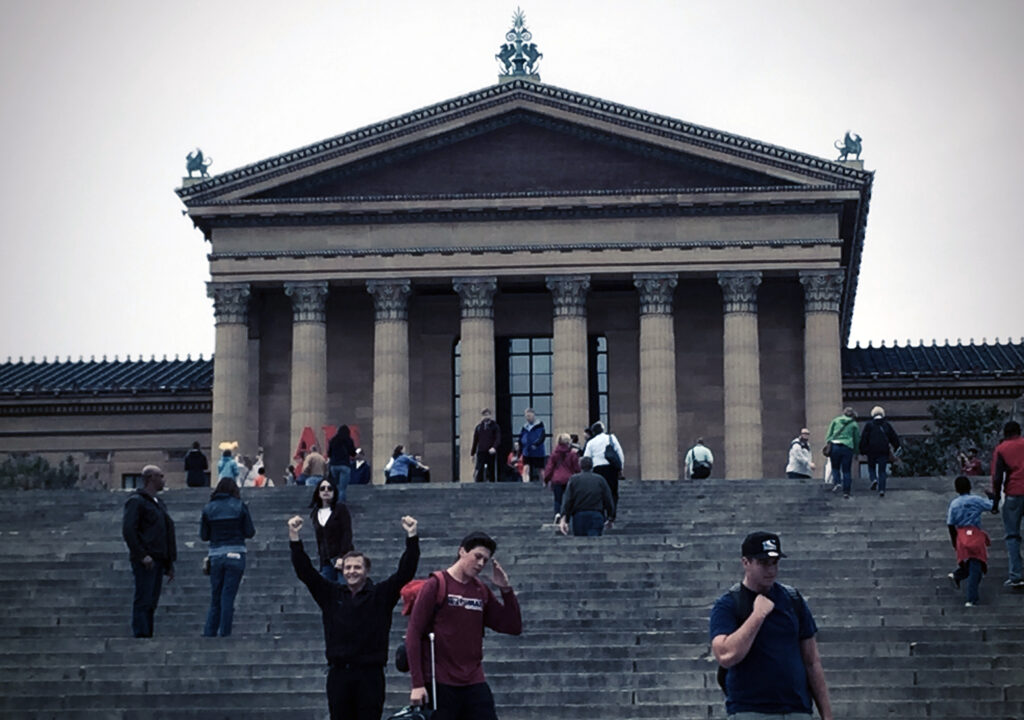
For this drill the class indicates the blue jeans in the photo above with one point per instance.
(559, 492)
(225, 575)
(588, 523)
(841, 458)
(1013, 510)
(877, 471)
(340, 475)
(970, 571)
(148, 582)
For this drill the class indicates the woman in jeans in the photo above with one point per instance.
(843, 439)
(563, 463)
(225, 524)
(332, 525)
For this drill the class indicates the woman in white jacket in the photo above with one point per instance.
(597, 450)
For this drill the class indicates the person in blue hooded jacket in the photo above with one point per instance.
(531, 440)
(226, 524)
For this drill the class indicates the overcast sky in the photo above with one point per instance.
(103, 99)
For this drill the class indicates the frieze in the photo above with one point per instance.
(309, 300)
(476, 295)
(529, 248)
(823, 290)
(569, 294)
(390, 298)
(93, 408)
(230, 302)
(541, 94)
(739, 290)
(656, 292)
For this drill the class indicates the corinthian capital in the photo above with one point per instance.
(739, 290)
(230, 302)
(656, 292)
(308, 300)
(569, 293)
(823, 289)
(390, 298)
(476, 295)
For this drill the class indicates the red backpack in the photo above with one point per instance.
(410, 592)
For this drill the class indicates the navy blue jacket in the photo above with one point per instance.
(532, 440)
(226, 521)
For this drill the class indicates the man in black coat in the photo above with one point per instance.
(486, 439)
(357, 620)
(587, 502)
(876, 441)
(196, 466)
(149, 533)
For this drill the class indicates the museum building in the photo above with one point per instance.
(519, 246)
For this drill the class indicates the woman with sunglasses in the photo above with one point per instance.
(332, 525)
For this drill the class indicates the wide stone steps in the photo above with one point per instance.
(614, 628)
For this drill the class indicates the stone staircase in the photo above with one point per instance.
(613, 627)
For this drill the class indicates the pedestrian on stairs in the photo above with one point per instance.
(879, 442)
(969, 540)
(357, 622)
(563, 463)
(605, 452)
(762, 634)
(458, 625)
(226, 524)
(1008, 479)
(148, 531)
(841, 441)
(587, 503)
(699, 461)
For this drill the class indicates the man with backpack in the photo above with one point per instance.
(606, 453)
(357, 620)
(762, 635)
(457, 613)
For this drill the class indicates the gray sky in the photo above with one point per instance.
(102, 100)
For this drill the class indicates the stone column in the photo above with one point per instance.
(659, 437)
(742, 375)
(477, 346)
(309, 358)
(571, 399)
(230, 362)
(823, 378)
(390, 369)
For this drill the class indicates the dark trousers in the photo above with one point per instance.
(611, 475)
(469, 702)
(536, 465)
(796, 476)
(486, 467)
(225, 577)
(588, 523)
(841, 458)
(559, 492)
(877, 470)
(148, 582)
(355, 692)
(971, 571)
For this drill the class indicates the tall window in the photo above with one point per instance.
(597, 371)
(456, 406)
(526, 363)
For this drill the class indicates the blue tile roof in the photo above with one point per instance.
(979, 360)
(196, 375)
(106, 376)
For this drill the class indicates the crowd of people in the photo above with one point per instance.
(762, 632)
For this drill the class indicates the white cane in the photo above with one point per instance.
(433, 674)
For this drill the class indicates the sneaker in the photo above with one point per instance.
(558, 516)
(1011, 583)
(955, 579)
(835, 487)
(846, 496)
(874, 484)
(881, 494)
(968, 604)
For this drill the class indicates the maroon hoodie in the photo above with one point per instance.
(563, 464)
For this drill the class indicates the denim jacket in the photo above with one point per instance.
(226, 523)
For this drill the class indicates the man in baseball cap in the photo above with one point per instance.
(762, 634)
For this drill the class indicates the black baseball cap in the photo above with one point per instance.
(758, 545)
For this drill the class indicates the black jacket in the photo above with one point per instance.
(876, 438)
(587, 491)
(335, 538)
(340, 450)
(148, 529)
(356, 627)
(196, 466)
(486, 435)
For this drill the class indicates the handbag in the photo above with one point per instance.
(206, 565)
(612, 455)
(827, 450)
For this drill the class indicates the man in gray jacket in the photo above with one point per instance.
(587, 501)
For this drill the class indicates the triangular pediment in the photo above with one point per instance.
(520, 152)
(516, 138)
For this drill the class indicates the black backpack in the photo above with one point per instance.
(612, 455)
(742, 613)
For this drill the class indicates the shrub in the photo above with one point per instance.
(23, 471)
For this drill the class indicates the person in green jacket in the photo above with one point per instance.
(842, 440)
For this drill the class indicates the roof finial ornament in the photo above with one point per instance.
(851, 143)
(519, 56)
(195, 162)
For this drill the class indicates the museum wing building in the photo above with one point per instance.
(525, 245)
